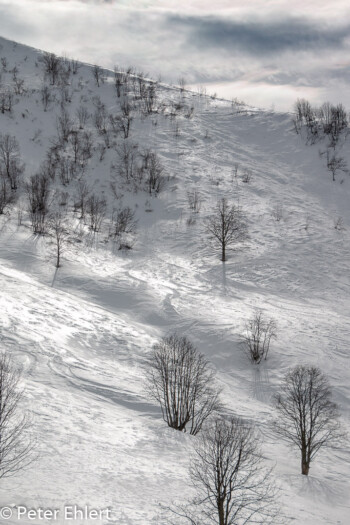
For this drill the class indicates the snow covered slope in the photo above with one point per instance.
(82, 332)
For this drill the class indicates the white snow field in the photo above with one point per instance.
(82, 332)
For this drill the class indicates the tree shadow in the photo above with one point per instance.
(321, 490)
(54, 278)
(224, 278)
(261, 383)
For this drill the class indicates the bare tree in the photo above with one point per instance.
(75, 66)
(9, 151)
(328, 119)
(46, 96)
(75, 142)
(307, 416)
(59, 232)
(257, 337)
(6, 100)
(64, 126)
(277, 212)
(86, 147)
(338, 223)
(83, 116)
(235, 170)
(125, 118)
(52, 66)
(67, 170)
(97, 73)
(155, 179)
(127, 161)
(124, 222)
(65, 94)
(100, 117)
(182, 84)
(149, 98)
(81, 197)
(247, 176)
(180, 379)
(227, 226)
(122, 79)
(38, 191)
(232, 485)
(18, 87)
(335, 164)
(123, 228)
(10, 160)
(96, 208)
(6, 195)
(194, 200)
(118, 80)
(16, 446)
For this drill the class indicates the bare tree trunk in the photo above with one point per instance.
(221, 511)
(58, 259)
(223, 252)
(305, 464)
(305, 469)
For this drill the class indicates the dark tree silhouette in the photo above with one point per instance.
(307, 416)
(226, 226)
(180, 379)
(16, 446)
(257, 337)
(232, 486)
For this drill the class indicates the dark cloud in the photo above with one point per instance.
(259, 38)
(262, 56)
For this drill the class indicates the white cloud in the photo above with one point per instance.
(257, 50)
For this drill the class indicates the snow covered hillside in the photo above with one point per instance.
(82, 332)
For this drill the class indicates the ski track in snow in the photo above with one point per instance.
(82, 333)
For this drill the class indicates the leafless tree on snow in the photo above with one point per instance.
(257, 337)
(227, 226)
(181, 380)
(307, 416)
(16, 445)
(232, 485)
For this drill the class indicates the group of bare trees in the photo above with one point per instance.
(232, 485)
(124, 227)
(67, 158)
(9, 88)
(327, 119)
(11, 170)
(140, 169)
(38, 194)
(144, 92)
(11, 167)
(58, 69)
(16, 444)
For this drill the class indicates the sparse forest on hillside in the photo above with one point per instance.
(175, 298)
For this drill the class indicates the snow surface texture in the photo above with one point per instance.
(82, 332)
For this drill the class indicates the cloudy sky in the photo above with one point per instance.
(265, 52)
